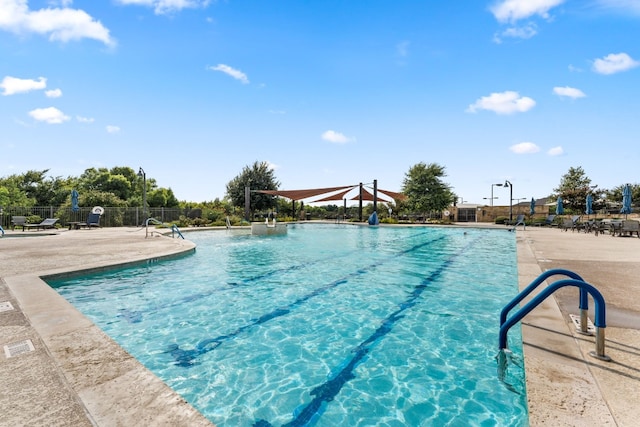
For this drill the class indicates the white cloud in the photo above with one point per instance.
(523, 32)
(515, 10)
(402, 48)
(614, 63)
(161, 7)
(555, 151)
(508, 102)
(61, 24)
(336, 137)
(49, 115)
(53, 93)
(113, 129)
(13, 85)
(568, 92)
(84, 119)
(236, 74)
(624, 6)
(524, 148)
(272, 166)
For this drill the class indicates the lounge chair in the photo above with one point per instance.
(571, 223)
(519, 221)
(93, 220)
(18, 221)
(47, 223)
(548, 221)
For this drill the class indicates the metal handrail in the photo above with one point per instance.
(583, 304)
(600, 313)
(174, 228)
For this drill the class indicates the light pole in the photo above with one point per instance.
(490, 198)
(494, 185)
(510, 185)
(518, 202)
(143, 175)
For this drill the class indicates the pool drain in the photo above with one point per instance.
(18, 348)
(5, 306)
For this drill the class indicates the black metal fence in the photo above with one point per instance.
(112, 216)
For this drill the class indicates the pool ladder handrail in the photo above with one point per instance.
(575, 280)
(174, 228)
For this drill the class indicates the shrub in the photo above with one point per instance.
(502, 219)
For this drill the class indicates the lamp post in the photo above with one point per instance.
(494, 185)
(510, 185)
(143, 175)
(518, 202)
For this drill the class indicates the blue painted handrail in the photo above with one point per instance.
(598, 299)
(175, 229)
(584, 298)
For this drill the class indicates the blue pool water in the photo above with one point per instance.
(330, 325)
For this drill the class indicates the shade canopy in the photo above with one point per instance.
(339, 193)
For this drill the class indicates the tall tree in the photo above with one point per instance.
(259, 176)
(574, 187)
(425, 190)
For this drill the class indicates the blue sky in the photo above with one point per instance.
(328, 92)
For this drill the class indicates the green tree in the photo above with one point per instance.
(12, 194)
(425, 190)
(100, 198)
(259, 176)
(162, 197)
(574, 187)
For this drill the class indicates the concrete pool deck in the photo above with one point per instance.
(77, 376)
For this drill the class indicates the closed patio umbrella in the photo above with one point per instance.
(532, 207)
(589, 208)
(559, 207)
(74, 201)
(626, 200)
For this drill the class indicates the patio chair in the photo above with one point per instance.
(93, 220)
(47, 223)
(519, 218)
(567, 224)
(629, 227)
(571, 223)
(547, 222)
(520, 221)
(18, 221)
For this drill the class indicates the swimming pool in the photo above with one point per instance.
(329, 325)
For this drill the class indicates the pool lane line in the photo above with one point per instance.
(327, 391)
(135, 316)
(186, 358)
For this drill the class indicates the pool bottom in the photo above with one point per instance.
(325, 341)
